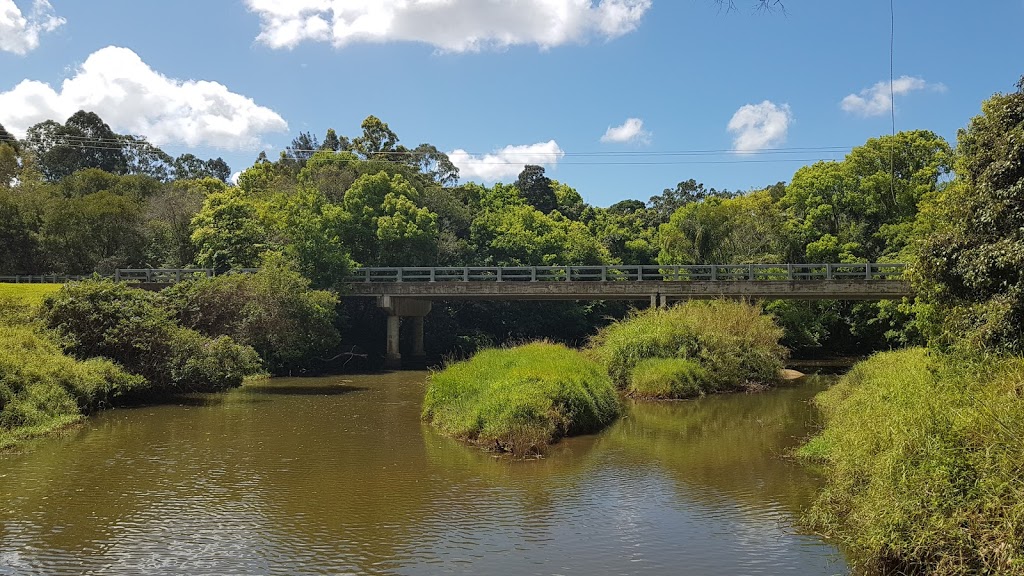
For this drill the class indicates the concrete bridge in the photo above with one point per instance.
(409, 292)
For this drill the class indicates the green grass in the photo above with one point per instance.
(924, 462)
(665, 378)
(521, 399)
(31, 294)
(734, 343)
(42, 389)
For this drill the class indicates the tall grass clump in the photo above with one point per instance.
(662, 378)
(924, 462)
(521, 399)
(42, 389)
(735, 345)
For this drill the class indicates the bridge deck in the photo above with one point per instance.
(865, 281)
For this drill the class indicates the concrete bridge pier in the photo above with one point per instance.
(414, 310)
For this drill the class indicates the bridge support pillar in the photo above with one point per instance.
(393, 357)
(663, 301)
(414, 310)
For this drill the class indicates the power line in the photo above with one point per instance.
(117, 144)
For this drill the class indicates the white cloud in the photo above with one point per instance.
(760, 126)
(133, 98)
(449, 25)
(632, 130)
(505, 163)
(20, 34)
(875, 101)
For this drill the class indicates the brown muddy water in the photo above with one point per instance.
(338, 476)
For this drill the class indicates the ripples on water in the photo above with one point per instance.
(338, 476)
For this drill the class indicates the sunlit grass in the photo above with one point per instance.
(31, 294)
(521, 399)
(734, 343)
(924, 459)
(42, 389)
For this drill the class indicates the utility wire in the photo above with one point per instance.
(892, 101)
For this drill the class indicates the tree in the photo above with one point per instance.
(228, 232)
(536, 188)
(435, 164)
(378, 141)
(143, 158)
(309, 229)
(84, 141)
(386, 226)
(868, 201)
(189, 167)
(8, 139)
(302, 147)
(970, 267)
(333, 143)
(96, 232)
(685, 192)
(521, 235)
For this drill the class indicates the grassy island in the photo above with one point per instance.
(695, 348)
(521, 399)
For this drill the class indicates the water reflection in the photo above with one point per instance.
(335, 475)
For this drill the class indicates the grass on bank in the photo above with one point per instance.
(521, 399)
(42, 389)
(716, 346)
(924, 462)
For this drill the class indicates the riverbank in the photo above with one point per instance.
(922, 457)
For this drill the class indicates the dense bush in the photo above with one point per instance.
(663, 378)
(521, 399)
(733, 342)
(42, 389)
(291, 326)
(128, 325)
(922, 455)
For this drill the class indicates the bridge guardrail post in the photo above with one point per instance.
(789, 272)
(433, 274)
(750, 272)
(465, 274)
(533, 273)
(640, 273)
(568, 273)
(828, 271)
(867, 271)
(604, 273)
(499, 273)
(399, 275)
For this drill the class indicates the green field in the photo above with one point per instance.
(32, 294)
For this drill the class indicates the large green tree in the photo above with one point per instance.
(970, 269)
(386, 226)
(229, 231)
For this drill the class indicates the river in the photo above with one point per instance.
(338, 476)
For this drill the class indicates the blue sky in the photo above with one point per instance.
(541, 80)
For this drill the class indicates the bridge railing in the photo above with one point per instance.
(707, 272)
(715, 272)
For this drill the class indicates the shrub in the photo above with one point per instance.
(521, 399)
(128, 325)
(42, 389)
(663, 378)
(734, 342)
(274, 310)
(922, 455)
